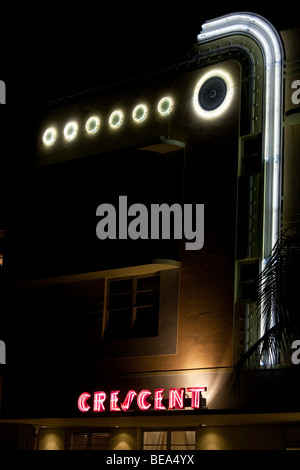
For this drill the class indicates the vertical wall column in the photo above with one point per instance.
(291, 169)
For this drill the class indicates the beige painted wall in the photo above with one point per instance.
(240, 438)
(52, 439)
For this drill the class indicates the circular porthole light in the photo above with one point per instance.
(49, 136)
(70, 130)
(92, 125)
(116, 119)
(213, 94)
(139, 113)
(165, 105)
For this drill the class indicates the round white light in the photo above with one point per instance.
(92, 125)
(139, 113)
(49, 136)
(213, 113)
(116, 119)
(70, 130)
(165, 105)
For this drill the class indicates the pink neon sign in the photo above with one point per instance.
(176, 400)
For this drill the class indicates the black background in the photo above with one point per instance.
(51, 49)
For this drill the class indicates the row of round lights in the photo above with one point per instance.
(92, 125)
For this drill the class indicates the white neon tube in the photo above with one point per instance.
(264, 34)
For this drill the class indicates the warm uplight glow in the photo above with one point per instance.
(210, 114)
(116, 119)
(49, 136)
(92, 125)
(165, 105)
(139, 113)
(70, 130)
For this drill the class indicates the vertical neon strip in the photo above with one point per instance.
(82, 405)
(176, 398)
(265, 35)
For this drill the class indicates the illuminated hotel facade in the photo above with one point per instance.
(155, 204)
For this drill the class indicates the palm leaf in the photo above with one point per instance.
(277, 307)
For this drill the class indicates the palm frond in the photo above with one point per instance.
(277, 309)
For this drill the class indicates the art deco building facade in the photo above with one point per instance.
(125, 306)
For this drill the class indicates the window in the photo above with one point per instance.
(132, 307)
(89, 441)
(181, 439)
(292, 437)
(83, 309)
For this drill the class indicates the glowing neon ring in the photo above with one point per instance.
(92, 125)
(116, 119)
(49, 136)
(223, 106)
(139, 113)
(164, 106)
(70, 130)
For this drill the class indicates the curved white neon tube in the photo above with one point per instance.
(264, 34)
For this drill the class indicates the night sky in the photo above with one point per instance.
(52, 50)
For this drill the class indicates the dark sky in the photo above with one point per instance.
(53, 49)
(50, 50)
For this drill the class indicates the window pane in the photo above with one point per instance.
(119, 324)
(133, 308)
(146, 322)
(120, 301)
(183, 440)
(120, 286)
(99, 441)
(146, 298)
(148, 283)
(79, 441)
(155, 440)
